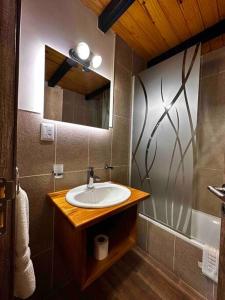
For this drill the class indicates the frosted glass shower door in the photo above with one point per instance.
(164, 138)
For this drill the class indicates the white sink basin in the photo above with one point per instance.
(102, 195)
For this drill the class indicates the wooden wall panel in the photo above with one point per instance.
(221, 9)
(162, 23)
(192, 16)
(209, 12)
(146, 24)
(175, 18)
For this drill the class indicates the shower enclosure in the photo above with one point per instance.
(164, 153)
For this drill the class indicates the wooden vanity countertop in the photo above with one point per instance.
(84, 217)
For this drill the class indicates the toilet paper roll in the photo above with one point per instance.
(101, 246)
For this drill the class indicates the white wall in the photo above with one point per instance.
(60, 24)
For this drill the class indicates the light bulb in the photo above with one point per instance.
(83, 50)
(96, 61)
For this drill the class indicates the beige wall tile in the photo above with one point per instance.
(139, 64)
(41, 211)
(142, 232)
(123, 54)
(33, 156)
(161, 245)
(122, 91)
(211, 145)
(186, 267)
(120, 175)
(72, 146)
(213, 62)
(212, 98)
(99, 147)
(120, 141)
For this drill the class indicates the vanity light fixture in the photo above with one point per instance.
(83, 51)
(96, 61)
(83, 55)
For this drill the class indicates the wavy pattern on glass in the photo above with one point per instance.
(163, 132)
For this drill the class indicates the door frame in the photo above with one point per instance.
(9, 66)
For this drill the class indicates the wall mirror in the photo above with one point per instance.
(74, 94)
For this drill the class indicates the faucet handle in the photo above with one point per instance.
(91, 171)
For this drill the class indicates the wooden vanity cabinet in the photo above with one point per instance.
(76, 246)
(75, 229)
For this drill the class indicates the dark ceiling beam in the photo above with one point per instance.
(112, 12)
(204, 36)
(97, 92)
(61, 71)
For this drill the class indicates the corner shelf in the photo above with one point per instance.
(96, 268)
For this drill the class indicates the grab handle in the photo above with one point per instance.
(218, 191)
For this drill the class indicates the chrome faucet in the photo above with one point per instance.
(91, 178)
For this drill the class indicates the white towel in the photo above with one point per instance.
(24, 278)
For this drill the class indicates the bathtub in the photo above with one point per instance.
(205, 229)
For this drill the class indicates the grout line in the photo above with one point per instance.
(132, 68)
(126, 165)
(37, 175)
(118, 116)
(73, 171)
(131, 131)
(212, 75)
(209, 169)
(147, 236)
(88, 148)
(111, 161)
(124, 67)
(29, 111)
(56, 139)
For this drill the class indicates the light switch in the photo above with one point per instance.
(47, 132)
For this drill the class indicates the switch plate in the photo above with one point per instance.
(47, 132)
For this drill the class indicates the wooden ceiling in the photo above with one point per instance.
(75, 79)
(151, 27)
